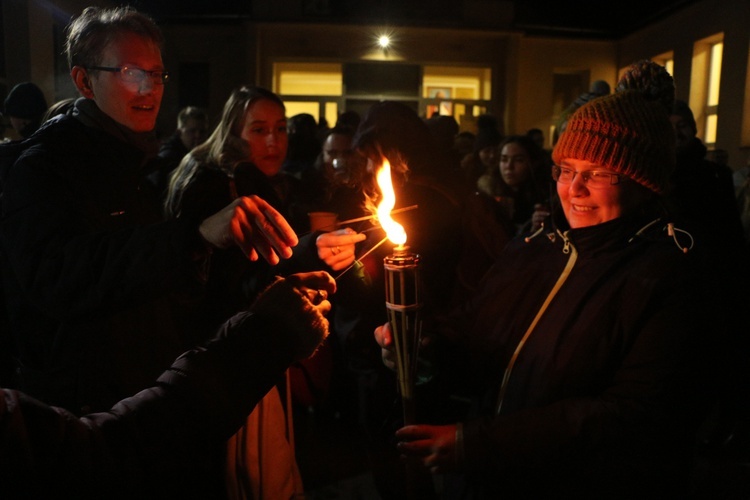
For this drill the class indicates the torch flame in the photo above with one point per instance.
(393, 229)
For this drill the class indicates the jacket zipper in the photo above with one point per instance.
(569, 249)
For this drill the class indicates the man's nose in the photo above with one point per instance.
(147, 84)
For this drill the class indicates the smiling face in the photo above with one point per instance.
(265, 131)
(584, 206)
(134, 105)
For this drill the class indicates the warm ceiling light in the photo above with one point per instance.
(384, 41)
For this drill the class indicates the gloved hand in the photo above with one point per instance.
(254, 226)
(298, 304)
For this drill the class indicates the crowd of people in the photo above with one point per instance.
(578, 306)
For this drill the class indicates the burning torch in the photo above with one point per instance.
(403, 296)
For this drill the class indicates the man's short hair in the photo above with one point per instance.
(88, 34)
(191, 112)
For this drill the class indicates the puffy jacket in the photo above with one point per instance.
(87, 264)
(154, 444)
(589, 347)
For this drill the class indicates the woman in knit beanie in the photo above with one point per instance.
(585, 346)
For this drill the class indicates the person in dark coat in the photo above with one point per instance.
(88, 262)
(703, 189)
(192, 130)
(25, 106)
(243, 157)
(392, 132)
(701, 194)
(587, 345)
(147, 445)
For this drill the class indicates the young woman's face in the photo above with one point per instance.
(515, 165)
(585, 205)
(265, 132)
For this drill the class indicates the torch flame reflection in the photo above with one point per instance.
(393, 229)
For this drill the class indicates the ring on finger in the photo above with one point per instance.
(336, 250)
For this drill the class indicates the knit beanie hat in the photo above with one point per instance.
(25, 101)
(652, 79)
(628, 132)
(600, 88)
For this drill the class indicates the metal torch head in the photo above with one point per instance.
(402, 281)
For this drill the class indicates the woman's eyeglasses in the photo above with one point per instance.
(591, 178)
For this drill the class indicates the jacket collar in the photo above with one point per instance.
(87, 112)
(615, 234)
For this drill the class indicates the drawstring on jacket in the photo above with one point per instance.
(672, 231)
(572, 253)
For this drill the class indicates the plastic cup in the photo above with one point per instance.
(323, 221)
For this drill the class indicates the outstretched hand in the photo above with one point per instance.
(253, 225)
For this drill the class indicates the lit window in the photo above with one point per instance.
(712, 101)
(308, 88)
(704, 86)
(667, 60)
(453, 90)
(309, 79)
(714, 74)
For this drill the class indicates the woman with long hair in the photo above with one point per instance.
(243, 156)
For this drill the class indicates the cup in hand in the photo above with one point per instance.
(323, 221)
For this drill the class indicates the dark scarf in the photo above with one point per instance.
(88, 113)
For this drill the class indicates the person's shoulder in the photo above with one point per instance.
(53, 139)
(172, 148)
(741, 175)
(60, 134)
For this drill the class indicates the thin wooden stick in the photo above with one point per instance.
(368, 217)
(361, 257)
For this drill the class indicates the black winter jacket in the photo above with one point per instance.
(87, 266)
(595, 340)
(155, 443)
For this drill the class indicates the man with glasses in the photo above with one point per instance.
(89, 265)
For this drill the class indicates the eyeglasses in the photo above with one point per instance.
(130, 74)
(591, 178)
